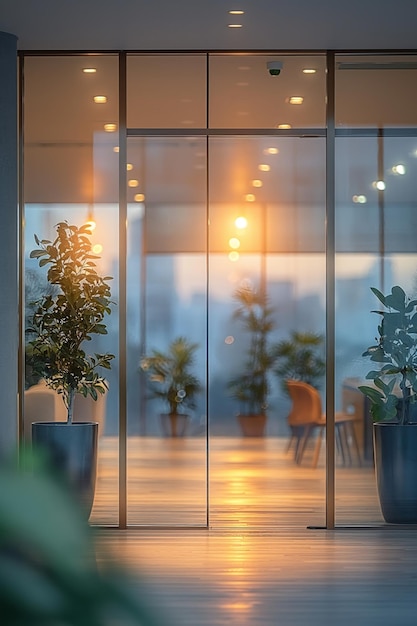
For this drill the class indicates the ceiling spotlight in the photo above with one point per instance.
(110, 128)
(284, 126)
(309, 70)
(100, 99)
(379, 184)
(399, 169)
(296, 100)
(89, 70)
(264, 167)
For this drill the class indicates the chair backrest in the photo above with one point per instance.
(306, 403)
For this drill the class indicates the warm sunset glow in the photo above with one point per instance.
(241, 222)
(234, 243)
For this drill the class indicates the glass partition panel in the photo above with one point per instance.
(376, 91)
(166, 91)
(267, 91)
(376, 229)
(70, 174)
(167, 331)
(266, 309)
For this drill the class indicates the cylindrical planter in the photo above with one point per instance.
(252, 425)
(395, 448)
(174, 424)
(72, 452)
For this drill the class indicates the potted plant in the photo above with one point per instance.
(300, 358)
(63, 322)
(172, 381)
(251, 387)
(392, 399)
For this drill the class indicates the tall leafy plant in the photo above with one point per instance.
(65, 320)
(396, 354)
(251, 386)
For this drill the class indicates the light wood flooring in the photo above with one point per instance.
(257, 564)
(253, 483)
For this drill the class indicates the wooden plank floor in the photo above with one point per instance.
(253, 483)
(258, 564)
(362, 577)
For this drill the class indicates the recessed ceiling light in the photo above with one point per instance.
(241, 222)
(271, 151)
(110, 128)
(234, 243)
(236, 12)
(309, 70)
(263, 167)
(249, 197)
(296, 100)
(379, 184)
(361, 199)
(89, 70)
(100, 99)
(257, 183)
(133, 182)
(139, 197)
(116, 149)
(284, 126)
(129, 167)
(234, 25)
(399, 169)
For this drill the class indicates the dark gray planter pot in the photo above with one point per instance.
(395, 449)
(72, 451)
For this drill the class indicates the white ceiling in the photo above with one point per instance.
(202, 25)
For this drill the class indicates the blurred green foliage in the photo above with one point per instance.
(48, 570)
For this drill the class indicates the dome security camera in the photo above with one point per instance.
(274, 67)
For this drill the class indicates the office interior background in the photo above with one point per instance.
(204, 173)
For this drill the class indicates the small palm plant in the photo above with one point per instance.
(64, 321)
(300, 358)
(170, 376)
(251, 386)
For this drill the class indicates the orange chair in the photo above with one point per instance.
(306, 416)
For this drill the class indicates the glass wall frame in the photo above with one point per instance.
(325, 126)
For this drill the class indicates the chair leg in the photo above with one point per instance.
(303, 444)
(318, 446)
